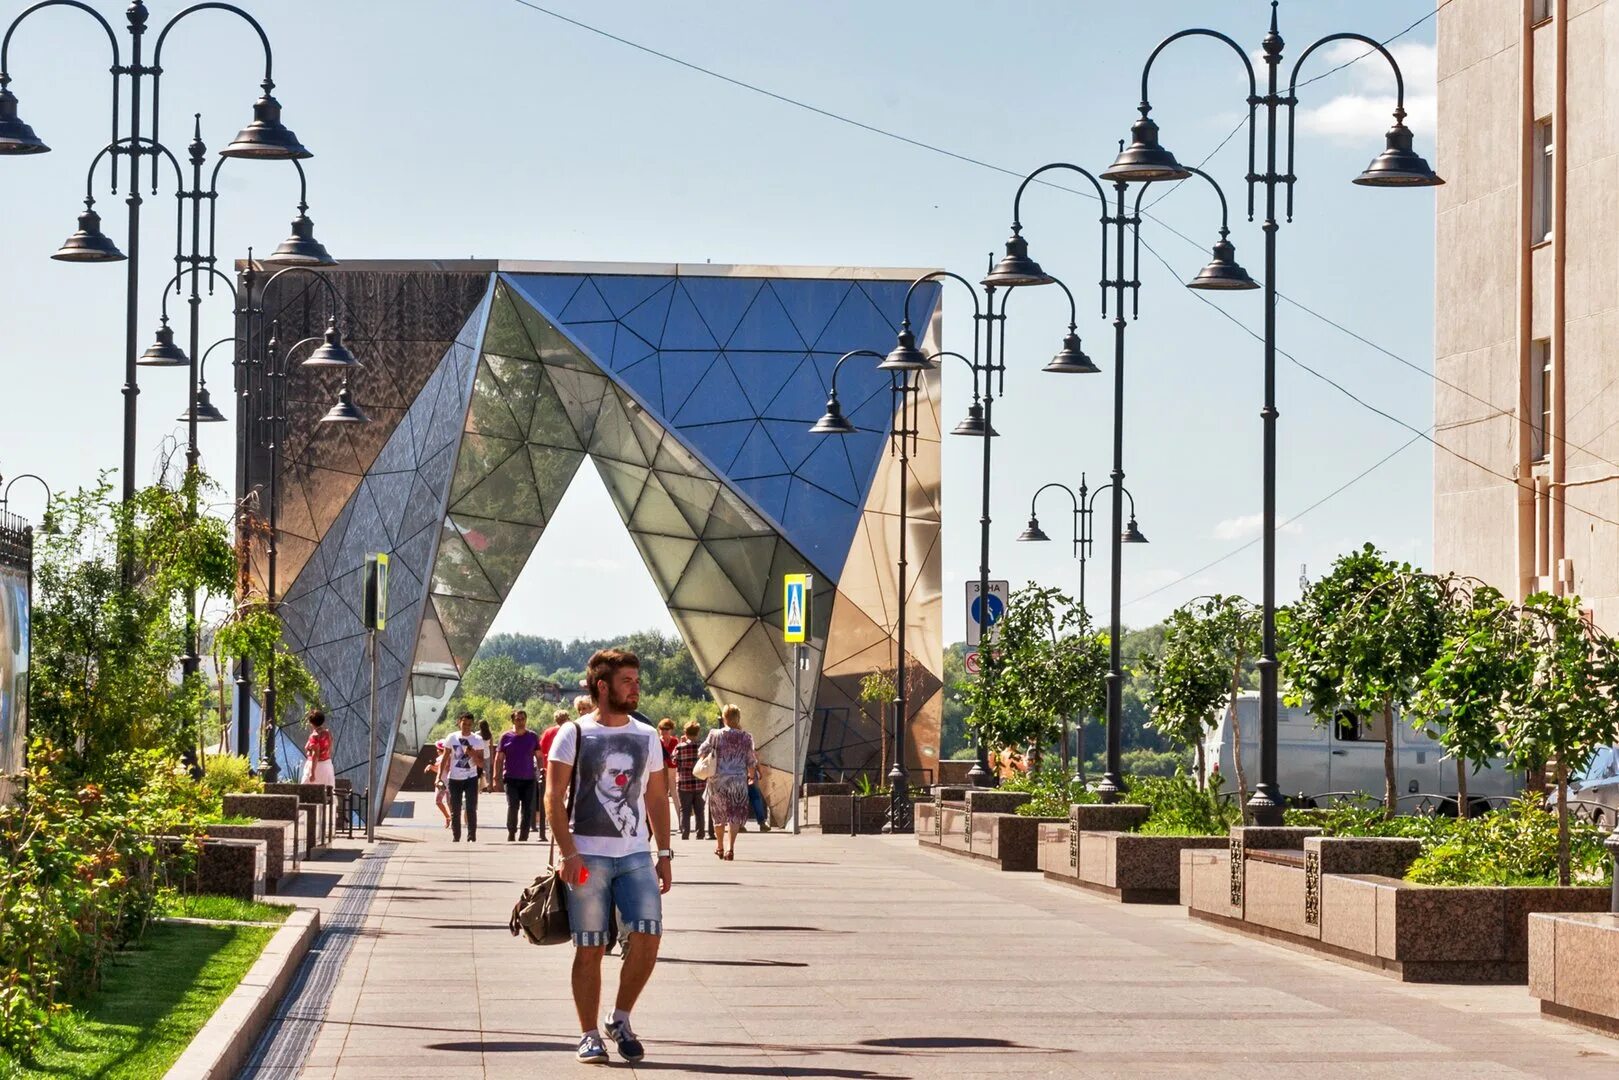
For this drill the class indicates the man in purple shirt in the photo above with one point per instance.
(515, 760)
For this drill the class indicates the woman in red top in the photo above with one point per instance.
(318, 751)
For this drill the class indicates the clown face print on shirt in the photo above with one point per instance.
(612, 784)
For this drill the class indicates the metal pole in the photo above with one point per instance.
(1082, 542)
(1266, 803)
(980, 774)
(1111, 786)
(137, 28)
(800, 663)
(899, 782)
(371, 745)
(267, 751)
(191, 661)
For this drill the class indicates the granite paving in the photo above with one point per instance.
(868, 959)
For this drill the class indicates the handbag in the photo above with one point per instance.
(703, 767)
(541, 912)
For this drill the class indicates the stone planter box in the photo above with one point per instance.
(925, 815)
(1009, 841)
(1572, 961)
(222, 867)
(1098, 850)
(275, 808)
(811, 790)
(839, 813)
(319, 795)
(955, 772)
(1343, 897)
(280, 838)
(950, 827)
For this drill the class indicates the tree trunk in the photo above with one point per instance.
(1562, 822)
(1461, 787)
(1202, 771)
(1390, 796)
(1079, 750)
(1065, 747)
(1236, 741)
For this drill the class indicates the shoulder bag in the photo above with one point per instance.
(703, 767)
(541, 913)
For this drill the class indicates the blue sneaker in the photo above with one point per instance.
(591, 1050)
(629, 1047)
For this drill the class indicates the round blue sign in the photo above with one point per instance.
(996, 608)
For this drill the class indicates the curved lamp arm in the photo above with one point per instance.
(853, 352)
(5, 497)
(1225, 220)
(1101, 196)
(212, 195)
(112, 39)
(157, 56)
(1054, 484)
(1253, 89)
(202, 366)
(163, 311)
(941, 355)
(1292, 95)
(1091, 507)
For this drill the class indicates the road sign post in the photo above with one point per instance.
(374, 614)
(795, 631)
(995, 607)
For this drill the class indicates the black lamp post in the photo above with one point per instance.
(265, 380)
(48, 522)
(902, 365)
(1017, 268)
(1397, 166)
(1084, 501)
(265, 137)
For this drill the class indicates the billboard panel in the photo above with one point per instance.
(14, 601)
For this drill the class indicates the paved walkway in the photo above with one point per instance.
(864, 957)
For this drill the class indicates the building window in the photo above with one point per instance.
(1541, 195)
(1540, 10)
(1540, 398)
(1352, 727)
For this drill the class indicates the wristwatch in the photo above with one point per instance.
(665, 853)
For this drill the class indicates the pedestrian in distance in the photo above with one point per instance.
(756, 803)
(668, 738)
(516, 768)
(620, 806)
(736, 764)
(441, 791)
(486, 771)
(687, 786)
(459, 764)
(583, 705)
(318, 751)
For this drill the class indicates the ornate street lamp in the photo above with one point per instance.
(1146, 159)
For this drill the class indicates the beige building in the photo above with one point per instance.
(1526, 479)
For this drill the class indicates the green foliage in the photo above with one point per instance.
(1044, 665)
(1365, 817)
(1514, 846)
(223, 908)
(104, 653)
(81, 873)
(1144, 762)
(953, 720)
(225, 774)
(1051, 789)
(503, 679)
(1475, 672)
(1178, 807)
(865, 785)
(1197, 670)
(1363, 639)
(878, 687)
(253, 633)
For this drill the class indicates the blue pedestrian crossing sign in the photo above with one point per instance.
(795, 625)
(984, 611)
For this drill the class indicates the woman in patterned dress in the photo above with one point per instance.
(735, 765)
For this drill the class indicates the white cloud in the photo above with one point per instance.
(1246, 525)
(1366, 109)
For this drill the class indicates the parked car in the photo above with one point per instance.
(1329, 762)
(1595, 792)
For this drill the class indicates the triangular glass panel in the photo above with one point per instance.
(552, 345)
(765, 326)
(480, 456)
(718, 397)
(551, 425)
(755, 669)
(721, 301)
(666, 557)
(805, 391)
(763, 374)
(553, 470)
(705, 587)
(465, 623)
(684, 328)
(625, 292)
(551, 293)
(505, 334)
(693, 495)
(859, 324)
(613, 437)
(769, 493)
(732, 516)
(507, 493)
(710, 636)
(657, 513)
(646, 319)
(501, 547)
(581, 395)
(678, 374)
(758, 457)
(811, 303)
(597, 339)
(491, 410)
(647, 430)
(624, 483)
(456, 572)
(747, 562)
(587, 305)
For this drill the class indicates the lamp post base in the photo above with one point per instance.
(900, 813)
(1265, 806)
(1110, 789)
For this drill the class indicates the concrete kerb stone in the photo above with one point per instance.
(224, 1042)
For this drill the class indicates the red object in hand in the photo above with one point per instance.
(584, 873)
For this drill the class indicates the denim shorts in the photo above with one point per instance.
(627, 882)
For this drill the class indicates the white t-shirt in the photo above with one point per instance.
(609, 815)
(461, 765)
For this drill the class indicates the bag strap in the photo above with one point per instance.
(573, 789)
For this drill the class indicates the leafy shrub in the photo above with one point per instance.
(1144, 762)
(226, 774)
(1516, 845)
(81, 873)
(1366, 817)
(1178, 807)
(1052, 792)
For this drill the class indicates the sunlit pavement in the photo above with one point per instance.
(823, 956)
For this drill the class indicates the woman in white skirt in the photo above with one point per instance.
(318, 751)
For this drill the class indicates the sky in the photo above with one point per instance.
(488, 128)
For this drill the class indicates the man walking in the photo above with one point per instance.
(620, 805)
(515, 761)
(458, 765)
(687, 786)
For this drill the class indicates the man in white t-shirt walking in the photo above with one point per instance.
(606, 831)
(459, 763)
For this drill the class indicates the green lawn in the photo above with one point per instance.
(228, 908)
(154, 999)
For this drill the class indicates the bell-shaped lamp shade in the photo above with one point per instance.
(834, 422)
(1398, 165)
(905, 356)
(89, 243)
(973, 423)
(1033, 533)
(163, 352)
(1071, 359)
(1131, 534)
(301, 248)
(1223, 271)
(266, 138)
(1015, 267)
(16, 137)
(1144, 159)
(331, 353)
(203, 410)
(345, 411)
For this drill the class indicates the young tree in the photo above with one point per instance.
(503, 679)
(1198, 671)
(1041, 665)
(1363, 639)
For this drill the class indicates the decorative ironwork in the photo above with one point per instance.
(1073, 838)
(1312, 888)
(901, 813)
(1236, 872)
(16, 543)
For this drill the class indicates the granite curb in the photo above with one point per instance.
(224, 1042)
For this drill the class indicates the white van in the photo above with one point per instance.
(1345, 757)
